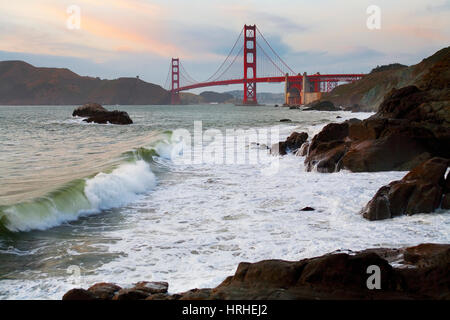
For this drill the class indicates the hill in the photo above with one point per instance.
(369, 92)
(24, 84)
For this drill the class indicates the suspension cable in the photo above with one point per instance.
(282, 61)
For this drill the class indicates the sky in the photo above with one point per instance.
(126, 38)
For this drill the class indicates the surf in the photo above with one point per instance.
(112, 188)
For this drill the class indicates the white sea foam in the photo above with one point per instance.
(121, 186)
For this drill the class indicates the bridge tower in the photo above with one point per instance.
(250, 65)
(175, 95)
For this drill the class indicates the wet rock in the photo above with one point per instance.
(79, 294)
(97, 114)
(88, 110)
(420, 191)
(104, 290)
(428, 255)
(285, 120)
(307, 209)
(303, 150)
(321, 106)
(152, 287)
(131, 294)
(292, 143)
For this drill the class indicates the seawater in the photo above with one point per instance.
(109, 201)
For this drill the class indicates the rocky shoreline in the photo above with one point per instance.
(419, 272)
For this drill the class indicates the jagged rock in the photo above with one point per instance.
(292, 143)
(409, 128)
(420, 191)
(104, 290)
(96, 113)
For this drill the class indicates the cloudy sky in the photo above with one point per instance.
(138, 37)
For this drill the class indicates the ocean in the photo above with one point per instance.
(84, 203)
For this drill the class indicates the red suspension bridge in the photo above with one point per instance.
(252, 60)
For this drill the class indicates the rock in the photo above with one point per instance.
(152, 287)
(79, 294)
(292, 143)
(338, 117)
(337, 275)
(104, 290)
(88, 110)
(427, 255)
(327, 148)
(285, 120)
(409, 128)
(113, 117)
(420, 191)
(131, 294)
(307, 209)
(303, 150)
(294, 107)
(321, 106)
(96, 113)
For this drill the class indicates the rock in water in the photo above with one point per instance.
(292, 143)
(88, 110)
(420, 191)
(321, 106)
(97, 114)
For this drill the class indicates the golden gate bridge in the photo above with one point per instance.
(252, 60)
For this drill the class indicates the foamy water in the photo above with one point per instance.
(191, 224)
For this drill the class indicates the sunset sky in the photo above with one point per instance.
(138, 37)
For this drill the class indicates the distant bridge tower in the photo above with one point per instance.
(175, 95)
(249, 65)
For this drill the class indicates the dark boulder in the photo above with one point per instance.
(112, 117)
(327, 148)
(97, 114)
(79, 294)
(420, 191)
(291, 144)
(104, 290)
(131, 294)
(321, 106)
(88, 110)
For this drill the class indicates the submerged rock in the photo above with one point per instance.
(420, 191)
(97, 114)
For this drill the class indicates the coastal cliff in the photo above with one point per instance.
(368, 93)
